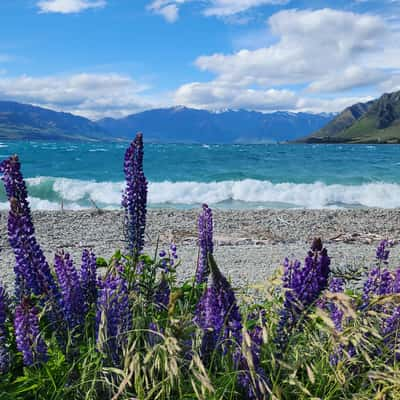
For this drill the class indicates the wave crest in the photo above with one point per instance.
(48, 192)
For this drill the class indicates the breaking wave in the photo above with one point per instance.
(47, 193)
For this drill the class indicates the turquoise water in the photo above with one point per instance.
(231, 176)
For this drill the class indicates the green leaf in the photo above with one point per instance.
(101, 262)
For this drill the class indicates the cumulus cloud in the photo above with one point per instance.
(169, 9)
(217, 95)
(225, 8)
(391, 84)
(336, 104)
(68, 6)
(321, 52)
(351, 77)
(310, 43)
(89, 95)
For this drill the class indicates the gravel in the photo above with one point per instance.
(250, 245)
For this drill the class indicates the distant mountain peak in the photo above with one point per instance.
(179, 124)
(177, 108)
(183, 124)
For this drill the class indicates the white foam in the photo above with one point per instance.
(97, 150)
(45, 205)
(102, 192)
(313, 195)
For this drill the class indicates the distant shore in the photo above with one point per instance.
(250, 244)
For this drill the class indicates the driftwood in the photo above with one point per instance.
(98, 209)
(364, 237)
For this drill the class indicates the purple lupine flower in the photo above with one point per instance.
(88, 278)
(4, 354)
(27, 333)
(396, 283)
(162, 293)
(382, 253)
(174, 254)
(391, 329)
(31, 268)
(134, 199)
(205, 243)
(168, 260)
(336, 285)
(252, 378)
(304, 286)
(379, 282)
(72, 299)
(342, 351)
(208, 318)
(391, 325)
(218, 314)
(154, 335)
(113, 318)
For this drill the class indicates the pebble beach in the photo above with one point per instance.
(250, 245)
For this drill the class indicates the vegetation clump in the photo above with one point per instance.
(125, 329)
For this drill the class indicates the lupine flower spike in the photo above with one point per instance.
(336, 285)
(206, 244)
(252, 378)
(113, 319)
(88, 277)
(4, 354)
(134, 199)
(380, 280)
(27, 333)
(303, 287)
(31, 269)
(73, 301)
(218, 314)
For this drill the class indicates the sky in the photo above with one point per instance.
(111, 58)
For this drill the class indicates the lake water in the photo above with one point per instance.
(226, 176)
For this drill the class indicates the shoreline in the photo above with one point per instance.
(249, 244)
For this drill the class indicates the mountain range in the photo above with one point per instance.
(23, 121)
(377, 121)
(182, 125)
(176, 124)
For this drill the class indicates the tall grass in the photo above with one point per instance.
(136, 333)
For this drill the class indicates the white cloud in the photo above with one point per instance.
(351, 77)
(310, 43)
(216, 95)
(337, 104)
(68, 6)
(90, 95)
(316, 51)
(392, 84)
(169, 9)
(170, 12)
(224, 8)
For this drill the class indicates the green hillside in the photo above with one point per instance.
(23, 121)
(377, 121)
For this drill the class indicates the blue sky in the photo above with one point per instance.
(115, 57)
